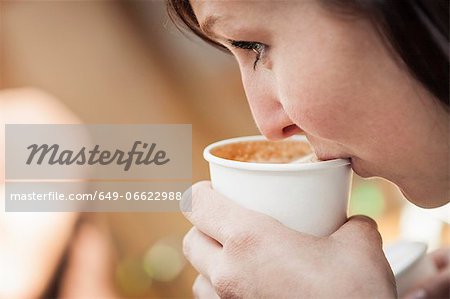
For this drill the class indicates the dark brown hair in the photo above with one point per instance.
(418, 30)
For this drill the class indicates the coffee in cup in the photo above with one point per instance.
(263, 151)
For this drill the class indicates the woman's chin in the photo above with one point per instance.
(425, 199)
(422, 193)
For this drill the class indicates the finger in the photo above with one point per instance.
(359, 227)
(441, 257)
(437, 286)
(217, 216)
(203, 288)
(201, 250)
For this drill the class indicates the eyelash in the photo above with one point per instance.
(256, 47)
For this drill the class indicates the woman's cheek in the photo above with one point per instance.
(315, 111)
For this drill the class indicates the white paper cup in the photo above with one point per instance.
(308, 197)
(410, 264)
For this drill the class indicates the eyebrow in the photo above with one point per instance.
(207, 25)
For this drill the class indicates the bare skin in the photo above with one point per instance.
(334, 78)
(307, 68)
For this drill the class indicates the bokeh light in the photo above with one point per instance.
(367, 199)
(131, 277)
(164, 261)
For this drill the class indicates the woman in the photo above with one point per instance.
(365, 80)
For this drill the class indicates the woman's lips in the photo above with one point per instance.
(326, 157)
(319, 149)
(361, 168)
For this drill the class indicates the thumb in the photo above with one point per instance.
(359, 228)
(360, 235)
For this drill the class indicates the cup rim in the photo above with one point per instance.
(268, 166)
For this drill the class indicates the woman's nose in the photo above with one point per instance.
(267, 110)
(271, 119)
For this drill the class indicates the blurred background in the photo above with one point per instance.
(119, 62)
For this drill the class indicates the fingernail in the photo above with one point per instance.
(419, 294)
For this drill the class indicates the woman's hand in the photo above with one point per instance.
(241, 253)
(437, 286)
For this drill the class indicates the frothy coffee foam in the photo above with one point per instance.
(263, 151)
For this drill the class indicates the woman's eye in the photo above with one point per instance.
(256, 47)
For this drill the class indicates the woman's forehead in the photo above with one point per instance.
(203, 9)
(211, 14)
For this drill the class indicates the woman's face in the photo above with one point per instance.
(306, 67)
